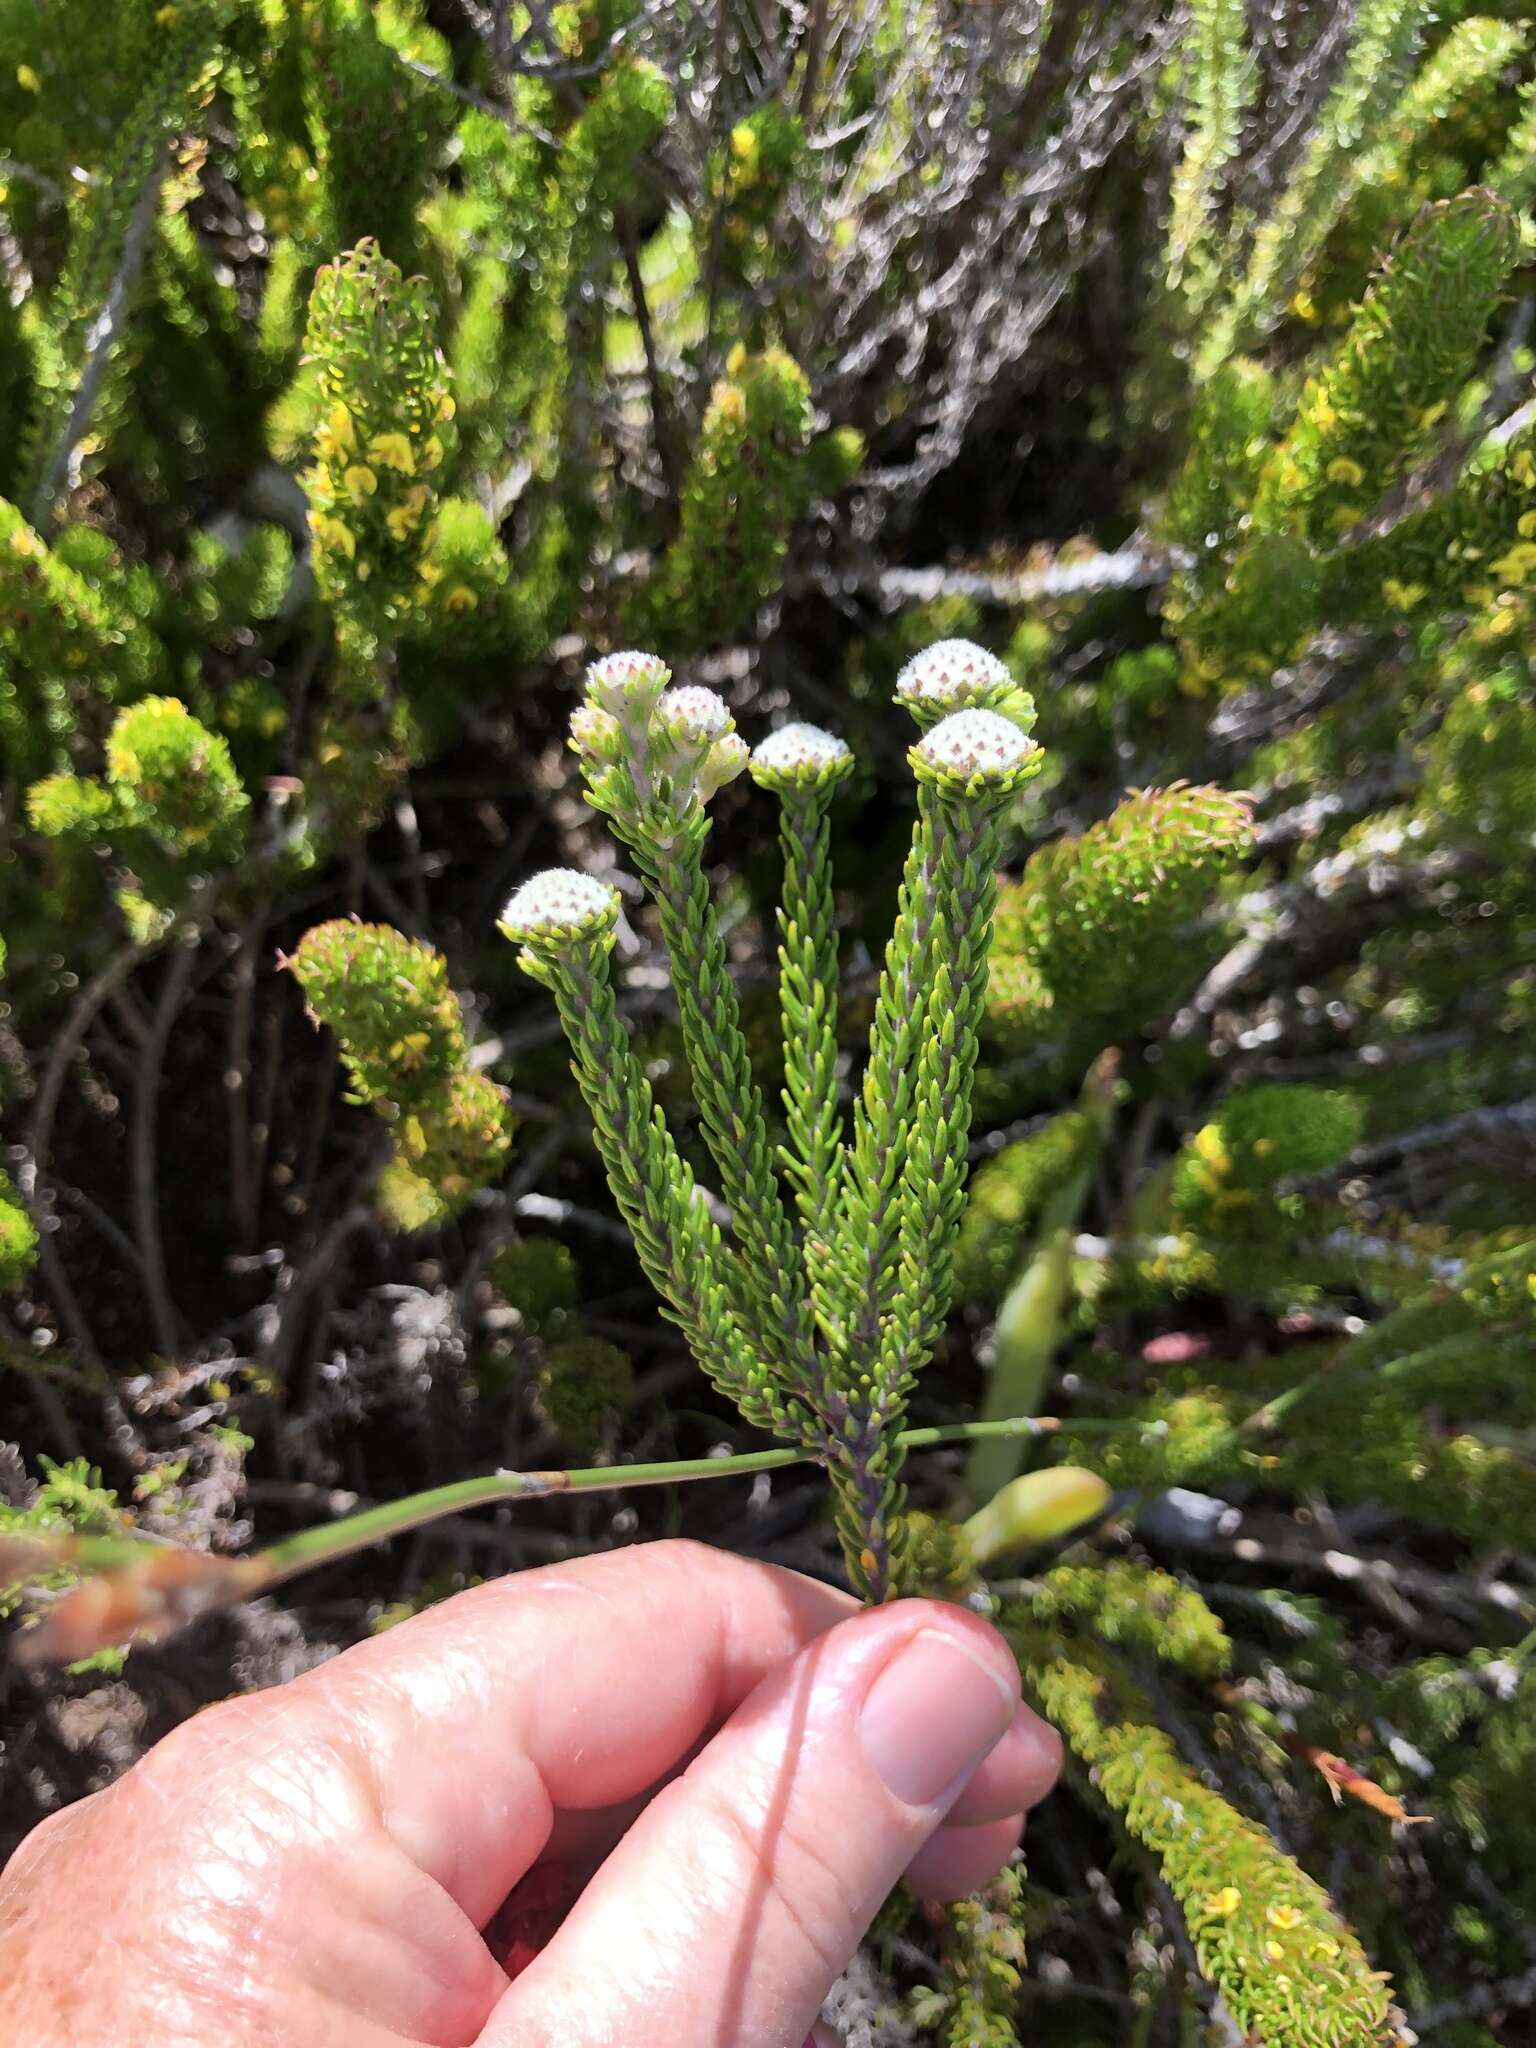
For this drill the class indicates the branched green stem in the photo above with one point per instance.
(767, 1282)
(808, 1007)
(868, 1223)
(678, 1243)
(908, 1305)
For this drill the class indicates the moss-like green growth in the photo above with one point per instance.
(584, 1385)
(1006, 1198)
(538, 1276)
(18, 1236)
(1084, 934)
(1262, 1135)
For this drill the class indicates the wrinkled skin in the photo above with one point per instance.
(713, 1740)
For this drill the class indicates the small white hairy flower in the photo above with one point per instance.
(693, 716)
(950, 673)
(561, 902)
(971, 743)
(596, 734)
(800, 750)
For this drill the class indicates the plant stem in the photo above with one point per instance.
(808, 1006)
(766, 1282)
(323, 1545)
(146, 1591)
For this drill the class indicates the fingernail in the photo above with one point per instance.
(931, 1716)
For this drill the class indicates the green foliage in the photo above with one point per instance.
(172, 778)
(1006, 1197)
(375, 127)
(982, 1955)
(1273, 562)
(176, 54)
(1386, 34)
(538, 1276)
(69, 1500)
(18, 1236)
(452, 1144)
(1368, 416)
(1480, 771)
(1136, 1607)
(1263, 1135)
(1086, 928)
(72, 624)
(170, 806)
(1217, 82)
(748, 483)
(383, 435)
(369, 365)
(388, 1000)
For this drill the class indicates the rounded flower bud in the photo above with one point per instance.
(975, 751)
(800, 757)
(692, 716)
(627, 682)
(957, 675)
(597, 735)
(722, 764)
(1036, 1508)
(559, 906)
(690, 742)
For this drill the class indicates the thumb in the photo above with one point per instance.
(725, 1913)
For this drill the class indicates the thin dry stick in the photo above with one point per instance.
(237, 1076)
(143, 1135)
(33, 1180)
(100, 341)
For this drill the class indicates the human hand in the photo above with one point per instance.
(745, 1761)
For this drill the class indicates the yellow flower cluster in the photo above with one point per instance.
(1267, 1935)
(356, 486)
(381, 441)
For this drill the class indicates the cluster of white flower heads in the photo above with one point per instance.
(951, 672)
(800, 751)
(970, 743)
(557, 902)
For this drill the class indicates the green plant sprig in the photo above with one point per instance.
(815, 1331)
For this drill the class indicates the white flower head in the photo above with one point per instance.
(972, 744)
(560, 904)
(693, 716)
(800, 757)
(952, 675)
(957, 675)
(627, 681)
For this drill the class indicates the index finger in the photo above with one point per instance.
(575, 1685)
